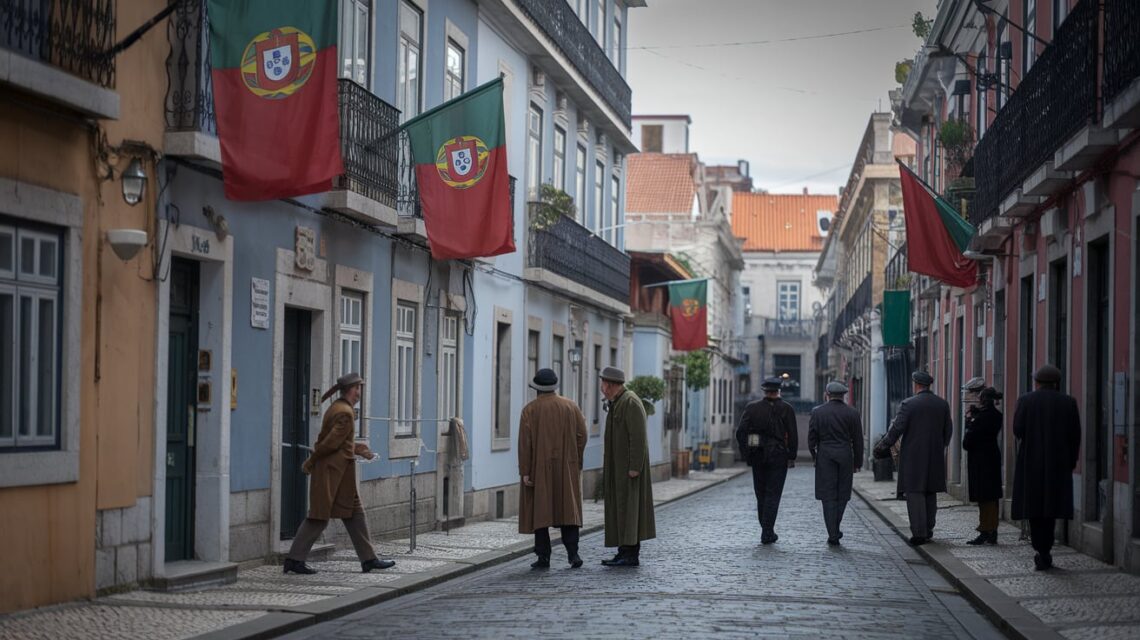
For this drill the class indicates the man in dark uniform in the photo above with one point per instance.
(1047, 424)
(768, 441)
(923, 422)
(835, 441)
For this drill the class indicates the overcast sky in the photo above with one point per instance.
(795, 110)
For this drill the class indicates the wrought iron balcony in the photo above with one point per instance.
(70, 34)
(856, 305)
(1051, 104)
(189, 89)
(898, 273)
(559, 22)
(572, 251)
(1121, 46)
(789, 329)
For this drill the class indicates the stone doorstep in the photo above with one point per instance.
(188, 575)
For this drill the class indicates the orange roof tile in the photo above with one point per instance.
(778, 222)
(660, 183)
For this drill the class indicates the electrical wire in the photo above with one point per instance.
(749, 43)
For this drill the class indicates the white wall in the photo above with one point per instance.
(674, 136)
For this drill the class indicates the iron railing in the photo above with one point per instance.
(189, 88)
(896, 269)
(1051, 104)
(74, 35)
(856, 305)
(1121, 46)
(783, 328)
(559, 22)
(574, 252)
(370, 145)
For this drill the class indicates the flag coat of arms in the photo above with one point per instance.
(936, 235)
(461, 171)
(275, 96)
(689, 312)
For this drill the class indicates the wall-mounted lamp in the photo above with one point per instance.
(134, 182)
(575, 356)
(126, 242)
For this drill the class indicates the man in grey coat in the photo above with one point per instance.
(835, 441)
(923, 422)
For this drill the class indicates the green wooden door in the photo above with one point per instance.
(294, 420)
(181, 411)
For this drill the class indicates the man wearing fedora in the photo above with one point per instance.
(332, 482)
(1047, 425)
(552, 440)
(923, 422)
(835, 441)
(768, 440)
(625, 472)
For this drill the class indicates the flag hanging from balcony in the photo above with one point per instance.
(896, 318)
(689, 311)
(275, 96)
(461, 172)
(936, 235)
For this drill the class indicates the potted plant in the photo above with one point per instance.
(552, 204)
(957, 138)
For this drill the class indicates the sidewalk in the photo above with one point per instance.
(1080, 598)
(264, 602)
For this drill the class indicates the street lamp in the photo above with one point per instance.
(134, 182)
(575, 356)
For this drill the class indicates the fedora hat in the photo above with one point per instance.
(613, 374)
(544, 380)
(347, 381)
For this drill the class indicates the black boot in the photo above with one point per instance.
(297, 566)
(376, 563)
(575, 560)
(982, 538)
(993, 537)
(543, 562)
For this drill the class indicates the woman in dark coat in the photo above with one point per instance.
(983, 462)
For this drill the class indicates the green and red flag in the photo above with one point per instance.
(936, 235)
(689, 311)
(275, 96)
(460, 153)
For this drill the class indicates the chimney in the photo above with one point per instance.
(805, 191)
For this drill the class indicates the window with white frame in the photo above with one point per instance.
(582, 7)
(30, 320)
(599, 197)
(615, 39)
(449, 367)
(1029, 45)
(557, 351)
(983, 94)
(532, 338)
(455, 81)
(580, 184)
(560, 158)
(533, 150)
(351, 331)
(409, 62)
(501, 395)
(600, 22)
(404, 416)
(788, 300)
(353, 43)
(615, 196)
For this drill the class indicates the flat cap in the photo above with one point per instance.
(1048, 374)
(771, 384)
(836, 388)
(613, 374)
(975, 384)
(923, 378)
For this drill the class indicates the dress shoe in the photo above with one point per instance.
(993, 537)
(833, 542)
(297, 566)
(982, 538)
(769, 539)
(376, 563)
(543, 562)
(624, 561)
(575, 561)
(917, 541)
(1042, 562)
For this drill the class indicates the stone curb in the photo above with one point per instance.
(280, 621)
(1003, 611)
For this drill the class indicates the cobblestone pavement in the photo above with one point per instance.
(1081, 598)
(263, 595)
(705, 575)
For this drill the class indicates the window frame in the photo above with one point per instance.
(358, 7)
(581, 164)
(794, 291)
(599, 196)
(450, 383)
(533, 352)
(1029, 29)
(559, 168)
(406, 43)
(502, 349)
(406, 339)
(534, 125)
(454, 84)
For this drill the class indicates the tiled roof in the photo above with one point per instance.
(779, 222)
(660, 183)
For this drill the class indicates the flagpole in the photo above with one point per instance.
(665, 284)
(929, 188)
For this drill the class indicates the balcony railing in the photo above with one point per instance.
(856, 305)
(559, 22)
(1121, 46)
(1051, 104)
(897, 269)
(792, 329)
(189, 89)
(572, 251)
(70, 34)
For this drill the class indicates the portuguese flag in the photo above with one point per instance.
(461, 169)
(689, 311)
(936, 235)
(275, 96)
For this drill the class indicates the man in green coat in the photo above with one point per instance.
(625, 468)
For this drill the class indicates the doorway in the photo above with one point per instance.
(295, 418)
(1098, 383)
(181, 409)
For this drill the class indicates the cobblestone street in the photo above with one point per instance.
(705, 574)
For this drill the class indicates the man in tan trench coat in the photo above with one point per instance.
(332, 482)
(625, 469)
(552, 439)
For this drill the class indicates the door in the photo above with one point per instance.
(1099, 379)
(181, 409)
(294, 420)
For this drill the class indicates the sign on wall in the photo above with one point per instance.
(259, 303)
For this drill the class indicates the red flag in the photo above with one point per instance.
(689, 311)
(936, 235)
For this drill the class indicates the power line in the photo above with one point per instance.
(748, 43)
(814, 175)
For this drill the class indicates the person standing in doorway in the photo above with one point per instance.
(768, 440)
(625, 472)
(552, 441)
(332, 482)
(983, 462)
(923, 422)
(835, 441)
(1047, 425)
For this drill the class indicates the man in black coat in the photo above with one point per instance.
(923, 422)
(1047, 425)
(768, 441)
(835, 441)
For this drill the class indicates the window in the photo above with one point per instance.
(1060, 12)
(557, 351)
(999, 340)
(449, 366)
(355, 18)
(598, 389)
(560, 158)
(1059, 318)
(600, 22)
(983, 95)
(979, 340)
(533, 150)
(502, 381)
(788, 364)
(351, 332)
(580, 184)
(1029, 45)
(1001, 66)
(788, 300)
(615, 39)
(652, 136)
(582, 7)
(1027, 346)
(454, 82)
(409, 61)
(532, 338)
(406, 370)
(615, 197)
(600, 197)
(579, 376)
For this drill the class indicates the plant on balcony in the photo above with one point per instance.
(696, 369)
(957, 138)
(553, 203)
(902, 70)
(650, 389)
(903, 281)
(921, 25)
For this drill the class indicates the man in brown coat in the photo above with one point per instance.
(552, 439)
(332, 482)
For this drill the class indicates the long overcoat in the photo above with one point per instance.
(552, 439)
(835, 441)
(629, 501)
(924, 420)
(332, 479)
(983, 457)
(1048, 427)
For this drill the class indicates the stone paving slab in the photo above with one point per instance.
(236, 599)
(106, 622)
